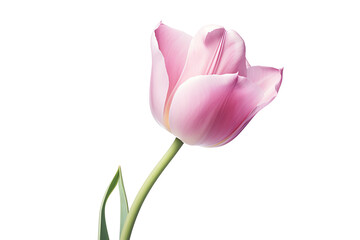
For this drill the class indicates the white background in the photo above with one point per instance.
(74, 83)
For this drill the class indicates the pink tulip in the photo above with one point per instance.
(203, 90)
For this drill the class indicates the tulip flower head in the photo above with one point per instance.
(203, 90)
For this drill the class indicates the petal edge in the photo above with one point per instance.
(197, 103)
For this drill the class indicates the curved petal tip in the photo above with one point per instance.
(277, 87)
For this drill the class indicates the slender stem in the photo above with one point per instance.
(145, 189)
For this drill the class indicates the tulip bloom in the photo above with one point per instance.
(203, 90)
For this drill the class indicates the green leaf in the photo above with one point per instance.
(117, 180)
(124, 208)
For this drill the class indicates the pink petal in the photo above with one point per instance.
(174, 46)
(214, 50)
(196, 105)
(169, 48)
(235, 112)
(232, 58)
(247, 64)
(269, 80)
(159, 82)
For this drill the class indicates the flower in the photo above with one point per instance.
(202, 88)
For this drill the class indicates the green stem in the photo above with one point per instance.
(145, 189)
